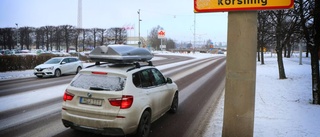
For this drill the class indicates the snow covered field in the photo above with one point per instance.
(282, 107)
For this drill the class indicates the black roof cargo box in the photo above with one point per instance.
(120, 54)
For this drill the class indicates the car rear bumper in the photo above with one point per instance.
(101, 125)
(103, 131)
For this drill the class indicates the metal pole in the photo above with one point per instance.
(300, 54)
(194, 33)
(17, 35)
(161, 48)
(139, 29)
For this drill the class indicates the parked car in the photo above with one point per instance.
(118, 98)
(6, 52)
(58, 66)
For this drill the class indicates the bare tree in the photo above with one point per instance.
(25, 36)
(7, 38)
(170, 44)
(315, 60)
(285, 24)
(40, 37)
(101, 34)
(94, 36)
(48, 30)
(85, 35)
(58, 37)
(263, 33)
(309, 22)
(67, 35)
(155, 42)
(76, 34)
(117, 35)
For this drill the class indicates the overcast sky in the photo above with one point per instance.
(175, 16)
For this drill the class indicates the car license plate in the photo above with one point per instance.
(91, 101)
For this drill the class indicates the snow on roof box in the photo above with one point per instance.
(120, 54)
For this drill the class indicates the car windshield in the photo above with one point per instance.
(99, 82)
(53, 61)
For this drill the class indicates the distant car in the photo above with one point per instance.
(6, 52)
(58, 66)
(220, 52)
(118, 98)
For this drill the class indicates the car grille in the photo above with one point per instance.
(39, 69)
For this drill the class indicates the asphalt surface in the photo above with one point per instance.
(200, 82)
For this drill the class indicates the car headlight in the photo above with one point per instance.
(51, 68)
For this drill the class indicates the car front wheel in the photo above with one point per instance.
(144, 125)
(175, 103)
(57, 73)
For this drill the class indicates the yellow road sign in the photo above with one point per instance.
(240, 5)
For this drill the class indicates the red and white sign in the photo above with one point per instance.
(161, 34)
(201, 6)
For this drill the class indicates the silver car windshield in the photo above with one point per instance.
(99, 82)
(53, 61)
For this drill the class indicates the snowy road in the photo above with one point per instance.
(36, 112)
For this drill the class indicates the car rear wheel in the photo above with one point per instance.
(144, 125)
(57, 73)
(175, 103)
(78, 69)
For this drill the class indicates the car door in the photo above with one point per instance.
(65, 66)
(153, 93)
(73, 65)
(161, 86)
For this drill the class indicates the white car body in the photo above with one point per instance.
(58, 66)
(91, 109)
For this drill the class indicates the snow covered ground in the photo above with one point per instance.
(282, 107)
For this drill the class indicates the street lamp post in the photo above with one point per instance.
(17, 35)
(139, 43)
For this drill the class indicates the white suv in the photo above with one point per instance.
(118, 99)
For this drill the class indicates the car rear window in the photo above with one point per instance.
(99, 82)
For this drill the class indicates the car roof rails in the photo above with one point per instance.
(97, 64)
(138, 65)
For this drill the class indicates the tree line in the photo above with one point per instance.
(55, 37)
(65, 36)
(282, 29)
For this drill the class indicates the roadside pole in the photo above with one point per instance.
(300, 53)
(239, 102)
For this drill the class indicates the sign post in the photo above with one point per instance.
(161, 35)
(239, 103)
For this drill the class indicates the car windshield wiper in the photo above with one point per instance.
(97, 88)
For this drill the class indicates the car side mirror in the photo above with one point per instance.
(169, 80)
(63, 62)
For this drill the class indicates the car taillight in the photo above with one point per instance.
(100, 73)
(67, 96)
(124, 102)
